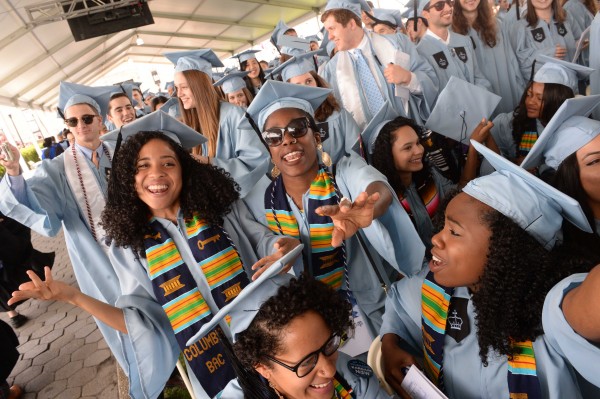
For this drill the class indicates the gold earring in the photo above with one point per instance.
(275, 172)
(275, 389)
(324, 156)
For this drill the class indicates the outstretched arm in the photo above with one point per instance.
(482, 135)
(581, 306)
(52, 290)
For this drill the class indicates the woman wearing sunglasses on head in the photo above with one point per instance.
(286, 333)
(325, 205)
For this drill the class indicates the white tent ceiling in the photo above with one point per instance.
(36, 55)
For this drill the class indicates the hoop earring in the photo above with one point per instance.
(275, 389)
(324, 156)
(275, 172)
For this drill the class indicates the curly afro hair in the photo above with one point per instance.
(518, 274)
(265, 333)
(206, 190)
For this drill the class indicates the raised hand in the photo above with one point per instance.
(12, 167)
(349, 216)
(48, 290)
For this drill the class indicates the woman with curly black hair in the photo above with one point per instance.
(420, 187)
(287, 345)
(476, 312)
(182, 246)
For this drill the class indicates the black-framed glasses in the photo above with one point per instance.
(439, 6)
(73, 122)
(296, 128)
(308, 363)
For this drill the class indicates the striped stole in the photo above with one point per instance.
(527, 141)
(177, 292)
(435, 301)
(327, 261)
(341, 389)
(429, 195)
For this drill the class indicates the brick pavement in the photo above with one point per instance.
(63, 354)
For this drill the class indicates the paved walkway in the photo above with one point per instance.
(63, 354)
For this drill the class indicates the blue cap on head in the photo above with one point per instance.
(568, 131)
(534, 205)
(370, 133)
(355, 6)
(246, 55)
(388, 15)
(279, 32)
(159, 121)
(296, 66)
(561, 72)
(202, 60)
(275, 95)
(232, 82)
(97, 97)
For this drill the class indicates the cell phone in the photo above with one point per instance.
(8, 156)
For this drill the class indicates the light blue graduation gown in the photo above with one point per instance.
(419, 105)
(343, 133)
(239, 152)
(391, 238)
(455, 59)
(595, 60)
(502, 133)
(364, 387)
(500, 67)
(465, 377)
(583, 355)
(149, 330)
(49, 205)
(531, 41)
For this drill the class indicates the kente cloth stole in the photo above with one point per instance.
(177, 292)
(435, 301)
(527, 141)
(328, 263)
(341, 389)
(430, 196)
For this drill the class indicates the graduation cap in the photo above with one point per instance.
(568, 131)
(171, 107)
(72, 94)
(246, 55)
(561, 72)
(370, 133)
(202, 60)
(391, 16)
(296, 66)
(313, 38)
(158, 121)
(326, 46)
(356, 6)
(244, 308)
(460, 108)
(232, 82)
(169, 84)
(292, 45)
(534, 205)
(275, 95)
(278, 33)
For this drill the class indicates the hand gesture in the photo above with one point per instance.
(560, 52)
(396, 74)
(12, 167)
(48, 290)
(282, 247)
(349, 216)
(481, 132)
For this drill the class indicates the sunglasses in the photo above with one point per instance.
(306, 365)
(296, 128)
(73, 122)
(439, 6)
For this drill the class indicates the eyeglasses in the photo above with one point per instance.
(439, 6)
(296, 128)
(87, 119)
(306, 365)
